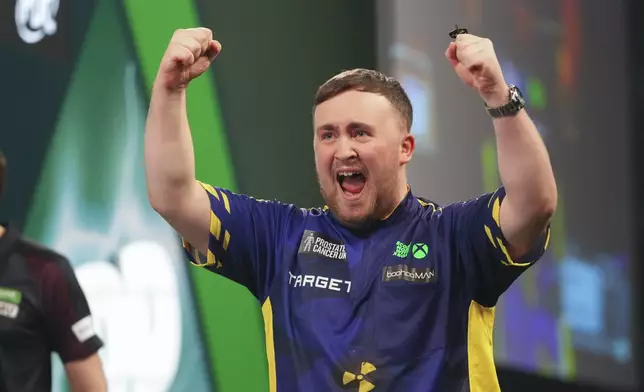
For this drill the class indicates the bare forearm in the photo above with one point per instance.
(524, 165)
(169, 155)
(86, 375)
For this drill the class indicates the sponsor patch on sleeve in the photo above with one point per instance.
(84, 329)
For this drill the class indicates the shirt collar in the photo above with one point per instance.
(409, 205)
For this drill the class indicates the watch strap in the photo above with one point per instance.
(511, 108)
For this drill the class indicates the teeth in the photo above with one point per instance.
(348, 174)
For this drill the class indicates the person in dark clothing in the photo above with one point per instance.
(43, 310)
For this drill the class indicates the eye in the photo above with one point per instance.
(326, 136)
(360, 133)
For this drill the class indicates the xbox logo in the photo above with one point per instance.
(419, 250)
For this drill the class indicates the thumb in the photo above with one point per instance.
(214, 48)
(450, 54)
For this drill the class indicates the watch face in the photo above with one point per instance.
(516, 95)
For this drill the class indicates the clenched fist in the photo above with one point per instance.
(188, 55)
(475, 62)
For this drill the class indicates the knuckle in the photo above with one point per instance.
(207, 35)
(179, 36)
(200, 33)
(195, 43)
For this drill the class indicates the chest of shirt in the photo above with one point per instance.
(403, 256)
(389, 291)
(20, 315)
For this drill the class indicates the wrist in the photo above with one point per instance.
(497, 97)
(169, 84)
(171, 93)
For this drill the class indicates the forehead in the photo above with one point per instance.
(355, 106)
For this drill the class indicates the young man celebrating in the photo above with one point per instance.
(43, 310)
(379, 290)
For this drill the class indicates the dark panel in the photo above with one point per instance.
(635, 17)
(34, 86)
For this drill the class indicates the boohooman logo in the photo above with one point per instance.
(404, 272)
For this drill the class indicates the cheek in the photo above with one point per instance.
(323, 163)
(380, 160)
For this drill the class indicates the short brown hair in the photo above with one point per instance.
(369, 81)
(3, 166)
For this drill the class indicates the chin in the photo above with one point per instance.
(353, 217)
(352, 220)
(354, 211)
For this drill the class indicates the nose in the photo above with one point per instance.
(345, 150)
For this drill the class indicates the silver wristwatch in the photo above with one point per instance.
(511, 108)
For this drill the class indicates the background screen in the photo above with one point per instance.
(568, 316)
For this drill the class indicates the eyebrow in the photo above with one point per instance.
(358, 124)
(352, 125)
(326, 127)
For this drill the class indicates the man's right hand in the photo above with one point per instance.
(189, 54)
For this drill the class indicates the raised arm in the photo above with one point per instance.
(524, 165)
(169, 158)
(531, 192)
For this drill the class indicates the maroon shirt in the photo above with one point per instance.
(42, 310)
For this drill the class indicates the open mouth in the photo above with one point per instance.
(351, 182)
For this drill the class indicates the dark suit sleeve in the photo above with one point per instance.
(69, 326)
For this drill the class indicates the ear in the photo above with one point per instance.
(407, 146)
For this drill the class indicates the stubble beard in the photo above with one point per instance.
(376, 209)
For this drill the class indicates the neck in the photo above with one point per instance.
(401, 193)
(403, 189)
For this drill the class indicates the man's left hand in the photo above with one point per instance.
(475, 62)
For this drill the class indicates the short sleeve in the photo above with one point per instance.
(482, 248)
(245, 237)
(69, 327)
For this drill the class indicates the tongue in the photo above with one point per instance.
(353, 184)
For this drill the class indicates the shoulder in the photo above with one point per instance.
(43, 261)
(462, 214)
(37, 252)
(274, 215)
(233, 202)
(226, 196)
(315, 216)
(485, 202)
(318, 219)
(430, 211)
(429, 206)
